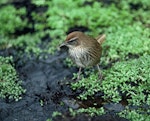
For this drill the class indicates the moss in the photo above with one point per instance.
(28, 44)
(129, 76)
(10, 85)
(127, 79)
(131, 40)
(120, 24)
(92, 111)
(135, 115)
(13, 21)
(96, 17)
(4, 1)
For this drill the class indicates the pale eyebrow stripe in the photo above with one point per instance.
(73, 39)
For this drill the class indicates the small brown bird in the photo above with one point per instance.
(84, 50)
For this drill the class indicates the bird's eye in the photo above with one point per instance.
(73, 41)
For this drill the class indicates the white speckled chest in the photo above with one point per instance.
(80, 56)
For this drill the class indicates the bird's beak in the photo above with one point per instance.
(63, 46)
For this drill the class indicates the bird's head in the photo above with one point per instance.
(73, 40)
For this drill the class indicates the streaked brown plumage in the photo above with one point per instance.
(84, 50)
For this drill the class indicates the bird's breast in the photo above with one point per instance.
(83, 57)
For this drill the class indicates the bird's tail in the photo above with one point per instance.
(100, 39)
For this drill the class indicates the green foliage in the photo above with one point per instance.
(134, 115)
(132, 40)
(116, 20)
(11, 22)
(10, 86)
(26, 43)
(56, 113)
(129, 78)
(144, 4)
(96, 17)
(38, 2)
(4, 42)
(74, 14)
(68, 62)
(92, 111)
(49, 119)
(4, 1)
(29, 43)
(91, 85)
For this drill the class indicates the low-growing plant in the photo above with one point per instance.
(129, 78)
(135, 115)
(137, 4)
(119, 25)
(131, 40)
(56, 113)
(108, 19)
(10, 85)
(68, 62)
(25, 44)
(92, 111)
(13, 21)
(38, 2)
(4, 1)
(28, 43)
(91, 85)
(49, 119)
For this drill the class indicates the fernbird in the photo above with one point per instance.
(84, 50)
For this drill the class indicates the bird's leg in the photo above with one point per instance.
(79, 72)
(100, 74)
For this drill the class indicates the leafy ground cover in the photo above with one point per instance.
(9, 83)
(29, 38)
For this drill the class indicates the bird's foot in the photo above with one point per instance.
(78, 78)
(100, 77)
